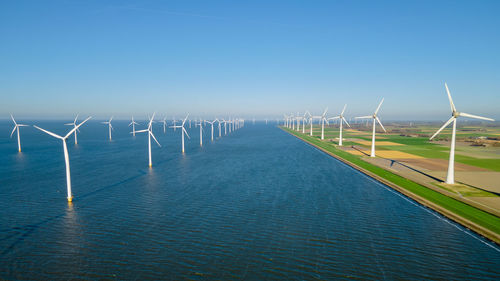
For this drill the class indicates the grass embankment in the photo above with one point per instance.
(489, 222)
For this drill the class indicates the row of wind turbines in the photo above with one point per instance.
(294, 123)
(232, 123)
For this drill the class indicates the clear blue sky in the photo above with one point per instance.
(253, 58)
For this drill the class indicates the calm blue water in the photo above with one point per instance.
(258, 204)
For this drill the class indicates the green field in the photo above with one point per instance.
(420, 146)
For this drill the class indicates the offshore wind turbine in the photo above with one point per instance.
(109, 126)
(66, 157)
(164, 121)
(220, 129)
(323, 119)
(74, 125)
(183, 131)
(450, 177)
(149, 130)
(201, 131)
(16, 128)
(225, 126)
(133, 123)
(212, 125)
(341, 120)
(375, 119)
(174, 122)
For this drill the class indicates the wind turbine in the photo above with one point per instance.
(298, 118)
(183, 131)
(16, 128)
(66, 157)
(375, 118)
(225, 126)
(212, 125)
(220, 130)
(323, 119)
(164, 121)
(149, 130)
(304, 119)
(74, 125)
(174, 122)
(201, 131)
(341, 120)
(133, 123)
(109, 126)
(450, 177)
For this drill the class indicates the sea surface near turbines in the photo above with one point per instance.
(255, 204)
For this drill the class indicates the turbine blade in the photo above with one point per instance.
(380, 123)
(343, 109)
(442, 127)
(333, 118)
(50, 133)
(345, 121)
(364, 117)
(185, 119)
(452, 105)
(142, 131)
(13, 119)
(324, 112)
(151, 133)
(13, 130)
(186, 132)
(76, 118)
(379, 105)
(475, 116)
(111, 119)
(77, 126)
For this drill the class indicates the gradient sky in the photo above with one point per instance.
(253, 58)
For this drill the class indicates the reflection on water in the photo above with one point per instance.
(257, 204)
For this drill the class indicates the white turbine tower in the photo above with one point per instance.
(174, 122)
(341, 120)
(66, 157)
(450, 177)
(212, 125)
(164, 121)
(323, 119)
(225, 126)
(375, 119)
(304, 120)
(109, 126)
(74, 125)
(220, 129)
(201, 131)
(133, 123)
(16, 128)
(149, 130)
(183, 131)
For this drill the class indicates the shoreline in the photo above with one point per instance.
(483, 231)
